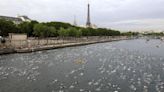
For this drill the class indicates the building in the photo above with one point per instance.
(18, 40)
(94, 26)
(88, 24)
(24, 18)
(16, 20)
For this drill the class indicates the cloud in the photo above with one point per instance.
(139, 25)
(121, 14)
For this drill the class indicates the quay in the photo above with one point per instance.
(61, 44)
(6, 51)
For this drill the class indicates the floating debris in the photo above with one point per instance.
(79, 61)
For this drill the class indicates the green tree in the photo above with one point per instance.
(40, 30)
(127, 34)
(72, 31)
(79, 33)
(63, 32)
(59, 25)
(53, 32)
(85, 32)
(7, 27)
(26, 27)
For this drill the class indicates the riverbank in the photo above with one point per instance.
(7, 51)
(55, 46)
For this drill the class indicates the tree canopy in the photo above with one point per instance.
(7, 27)
(52, 29)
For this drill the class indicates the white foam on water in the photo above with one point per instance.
(96, 83)
(81, 74)
(61, 91)
(81, 90)
(98, 89)
(133, 87)
(71, 87)
(90, 83)
(73, 71)
(75, 77)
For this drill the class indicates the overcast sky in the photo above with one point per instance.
(118, 14)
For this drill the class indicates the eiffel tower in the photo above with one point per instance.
(88, 24)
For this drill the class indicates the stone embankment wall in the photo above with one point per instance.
(33, 42)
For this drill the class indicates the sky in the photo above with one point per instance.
(124, 15)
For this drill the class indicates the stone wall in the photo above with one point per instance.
(34, 42)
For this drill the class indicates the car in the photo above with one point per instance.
(1, 37)
(2, 40)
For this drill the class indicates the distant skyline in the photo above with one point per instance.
(124, 15)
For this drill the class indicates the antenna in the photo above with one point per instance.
(88, 1)
(75, 23)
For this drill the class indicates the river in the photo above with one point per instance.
(120, 66)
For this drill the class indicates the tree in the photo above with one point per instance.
(78, 33)
(41, 30)
(59, 25)
(72, 31)
(85, 32)
(54, 29)
(63, 32)
(7, 27)
(53, 32)
(27, 27)
(127, 33)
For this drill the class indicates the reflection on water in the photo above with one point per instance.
(124, 66)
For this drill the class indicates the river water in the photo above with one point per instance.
(121, 66)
